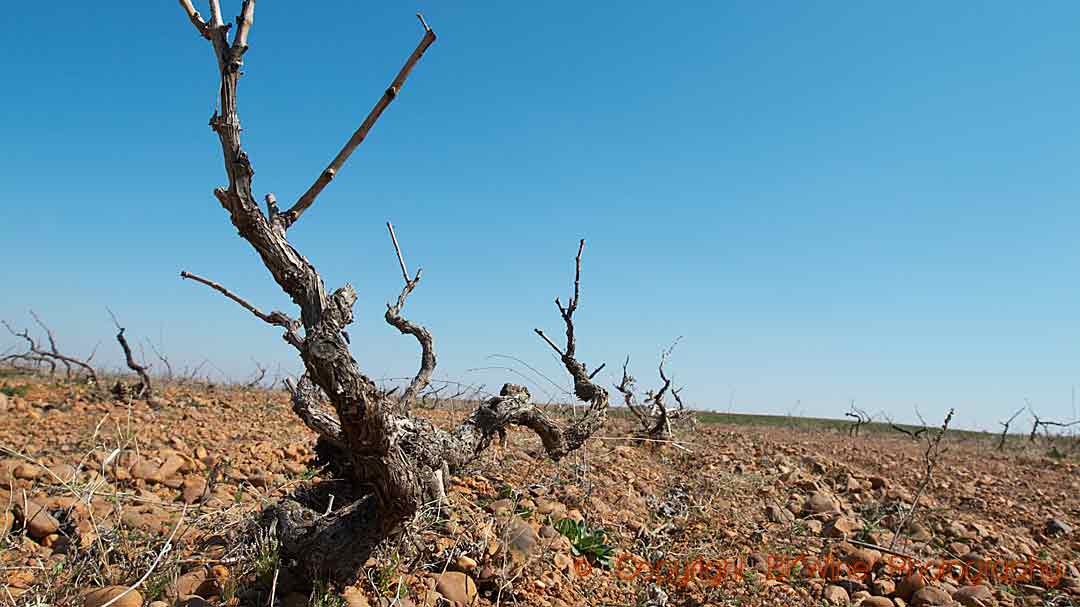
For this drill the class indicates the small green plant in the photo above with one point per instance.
(1055, 453)
(21, 390)
(267, 555)
(155, 586)
(322, 595)
(590, 542)
(387, 578)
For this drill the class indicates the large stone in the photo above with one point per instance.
(39, 522)
(456, 586)
(193, 489)
(27, 471)
(60, 473)
(878, 601)
(975, 596)
(911, 584)
(820, 502)
(863, 559)
(776, 514)
(354, 598)
(187, 584)
(171, 466)
(835, 595)
(931, 596)
(147, 471)
(521, 538)
(101, 596)
(841, 528)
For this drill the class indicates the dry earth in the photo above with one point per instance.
(92, 488)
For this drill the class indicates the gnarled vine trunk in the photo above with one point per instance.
(397, 461)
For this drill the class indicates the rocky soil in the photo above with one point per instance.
(99, 496)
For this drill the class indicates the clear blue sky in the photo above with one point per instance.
(828, 200)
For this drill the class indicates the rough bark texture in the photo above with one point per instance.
(654, 415)
(145, 388)
(396, 461)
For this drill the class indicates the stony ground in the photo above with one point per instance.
(98, 495)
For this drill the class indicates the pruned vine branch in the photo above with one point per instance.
(275, 318)
(35, 353)
(145, 387)
(654, 414)
(1005, 428)
(406, 327)
(859, 419)
(400, 462)
(308, 197)
(1045, 424)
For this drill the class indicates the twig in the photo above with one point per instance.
(930, 457)
(308, 198)
(276, 318)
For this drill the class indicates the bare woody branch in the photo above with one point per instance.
(257, 377)
(196, 19)
(1005, 428)
(145, 388)
(934, 450)
(215, 14)
(859, 419)
(164, 360)
(406, 327)
(275, 318)
(306, 403)
(584, 388)
(33, 353)
(243, 27)
(53, 354)
(654, 415)
(627, 388)
(403, 461)
(308, 198)
(1045, 424)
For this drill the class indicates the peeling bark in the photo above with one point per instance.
(397, 462)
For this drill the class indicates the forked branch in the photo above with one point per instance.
(1045, 424)
(1005, 428)
(859, 419)
(422, 335)
(654, 415)
(584, 388)
(36, 353)
(401, 460)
